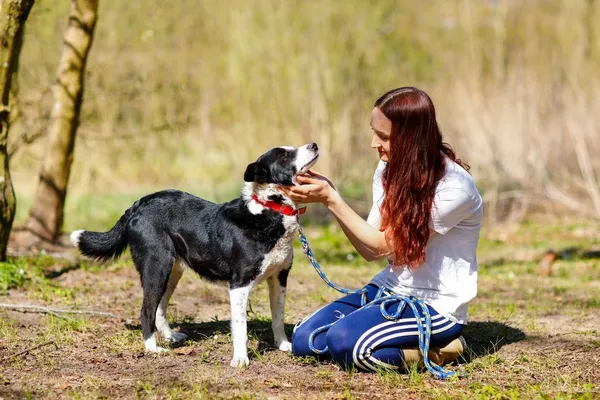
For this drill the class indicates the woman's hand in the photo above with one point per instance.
(315, 188)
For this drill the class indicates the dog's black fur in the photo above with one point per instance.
(221, 242)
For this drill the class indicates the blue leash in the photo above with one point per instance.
(383, 297)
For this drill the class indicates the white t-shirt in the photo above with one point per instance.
(447, 280)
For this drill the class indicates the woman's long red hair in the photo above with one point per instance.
(416, 164)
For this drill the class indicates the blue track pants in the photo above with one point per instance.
(363, 338)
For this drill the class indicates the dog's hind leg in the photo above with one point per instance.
(239, 329)
(161, 312)
(277, 292)
(155, 270)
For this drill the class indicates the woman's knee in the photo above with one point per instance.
(332, 313)
(303, 330)
(300, 338)
(340, 343)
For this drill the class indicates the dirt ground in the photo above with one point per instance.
(528, 336)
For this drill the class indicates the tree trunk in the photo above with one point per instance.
(13, 14)
(46, 215)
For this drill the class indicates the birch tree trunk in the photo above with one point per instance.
(13, 14)
(46, 215)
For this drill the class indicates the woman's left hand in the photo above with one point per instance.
(315, 188)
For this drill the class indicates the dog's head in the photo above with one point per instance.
(281, 165)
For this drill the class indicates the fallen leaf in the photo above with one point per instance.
(184, 351)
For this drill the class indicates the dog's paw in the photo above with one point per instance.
(239, 362)
(151, 346)
(157, 349)
(285, 346)
(176, 337)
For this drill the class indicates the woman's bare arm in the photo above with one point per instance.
(368, 241)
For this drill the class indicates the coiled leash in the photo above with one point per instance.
(384, 297)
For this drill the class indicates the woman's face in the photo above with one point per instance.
(382, 129)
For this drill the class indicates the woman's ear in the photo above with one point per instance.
(256, 173)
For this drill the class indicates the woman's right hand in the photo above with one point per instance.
(312, 188)
(317, 188)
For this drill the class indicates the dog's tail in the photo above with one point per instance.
(103, 246)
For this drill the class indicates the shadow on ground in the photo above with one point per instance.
(483, 338)
(57, 272)
(200, 331)
(487, 337)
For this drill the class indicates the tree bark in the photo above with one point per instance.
(13, 14)
(46, 215)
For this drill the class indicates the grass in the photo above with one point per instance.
(11, 276)
(528, 336)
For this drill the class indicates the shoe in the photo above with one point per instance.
(439, 356)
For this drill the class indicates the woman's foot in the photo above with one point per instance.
(439, 356)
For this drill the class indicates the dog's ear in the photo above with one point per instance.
(256, 173)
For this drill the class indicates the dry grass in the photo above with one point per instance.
(181, 93)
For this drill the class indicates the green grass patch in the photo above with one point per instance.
(330, 246)
(11, 276)
(35, 274)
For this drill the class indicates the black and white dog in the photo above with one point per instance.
(243, 242)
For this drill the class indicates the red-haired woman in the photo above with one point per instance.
(425, 219)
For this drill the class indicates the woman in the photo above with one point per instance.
(425, 219)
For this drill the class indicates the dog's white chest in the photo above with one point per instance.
(280, 255)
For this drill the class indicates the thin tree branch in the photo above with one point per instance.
(29, 349)
(50, 310)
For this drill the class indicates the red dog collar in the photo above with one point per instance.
(280, 208)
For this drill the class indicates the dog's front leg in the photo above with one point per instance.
(238, 298)
(277, 289)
